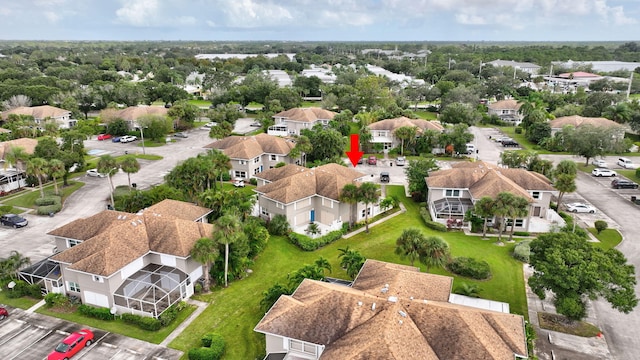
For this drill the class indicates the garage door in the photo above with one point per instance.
(95, 299)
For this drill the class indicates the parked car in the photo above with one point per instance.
(13, 220)
(581, 208)
(238, 182)
(181, 135)
(626, 163)
(509, 143)
(3, 313)
(361, 160)
(401, 160)
(95, 173)
(623, 184)
(471, 149)
(372, 160)
(255, 124)
(104, 137)
(128, 138)
(209, 125)
(599, 163)
(72, 345)
(384, 177)
(603, 172)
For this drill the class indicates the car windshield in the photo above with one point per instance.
(62, 348)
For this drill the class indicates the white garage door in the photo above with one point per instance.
(95, 299)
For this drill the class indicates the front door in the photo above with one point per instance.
(312, 216)
(536, 211)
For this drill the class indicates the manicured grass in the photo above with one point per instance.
(609, 238)
(20, 303)
(199, 103)
(235, 311)
(427, 115)
(28, 198)
(148, 157)
(120, 327)
(151, 143)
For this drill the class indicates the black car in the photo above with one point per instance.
(13, 220)
(623, 184)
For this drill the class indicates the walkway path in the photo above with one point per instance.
(177, 331)
(379, 221)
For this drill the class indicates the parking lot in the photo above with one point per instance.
(34, 336)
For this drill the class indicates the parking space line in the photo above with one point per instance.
(116, 354)
(16, 334)
(86, 350)
(40, 338)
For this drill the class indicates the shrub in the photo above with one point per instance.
(55, 299)
(600, 225)
(426, 217)
(638, 172)
(518, 130)
(149, 323)
(211, 339)
(203, 353)
(521, 233)
(470, 267)
(95, 312)
(23, 288)
(171, 313)
(522, 250)
(132, 319)
(308, 244)
(48, 209)
(278, 225)
(48, 200)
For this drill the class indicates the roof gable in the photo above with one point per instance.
(249, 147)
(577, 121)
(393, 124)
(308, 115)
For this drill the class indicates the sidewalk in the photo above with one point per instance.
(177, 331)
(402, 211)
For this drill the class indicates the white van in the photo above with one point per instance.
(626, 163)
(471, 149)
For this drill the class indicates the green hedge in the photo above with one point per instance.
(48, 209)
(522, 250)
(426, 217)
(48, 200)
(171, 313)
(143, 322)
(23, 288)
(56, 299)
(204, 353)
(308, 244)
(470, 267)
(96, 312)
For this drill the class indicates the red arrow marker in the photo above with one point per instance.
(355, 154)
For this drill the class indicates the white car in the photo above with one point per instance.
(209, 125)
(603, 172)
(400, 161)
(128, 138)
(95, 173)
(238, 182)
(599, 163)
(581, 208)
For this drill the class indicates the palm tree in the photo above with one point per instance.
(410, 244)
(435, 252)
(16, 155)
(229, 230)
(350, 195)
(485, 209)
(368, 195)
(221, 164)
(17, 261)
(38, 168)
(323, 263)
(205, 251)
(107, 165)
(351, 261)
(303, 147)
(565, 183)
(519, 209)
(56, 170)
(130, 165)
(405, 133)
(503, 204)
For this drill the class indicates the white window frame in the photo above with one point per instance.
(240, 174)
(73, 242)
(452, 192)
(274, 157)
(97, 278)
(73, 286)
(536, 194)
(256, 160)
(242, 162)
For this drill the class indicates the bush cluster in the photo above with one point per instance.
(143, 322)
(431, 224)
(470, 267)
(522, 251)
(171, 313)
(95, 312)
(56, 300)
(49, 204)
(23, 288)
(212, 348)
(48, 200)
(308, 244)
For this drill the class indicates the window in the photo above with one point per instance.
(301, 346)
(535, 195)
(519, 222)
(73, 286)
(97, 278)
(73, 242)
(240, 174)
(451, 192)
(264, 211)
(256, 160)
(368, 212)
(274, 157)
(256, 170)
(279, 205)
(242, 162)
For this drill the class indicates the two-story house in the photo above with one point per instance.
(507, 110)
(131, 114)
(576, 121)
(454, 191)
(390, 311)
(292, 121)
(383, 131)
(42, 114)
(251, 155)
(136, 263)
(307, 196)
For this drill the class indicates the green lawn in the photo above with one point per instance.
(20, 303)
(28, 198)
(526, 144)
(427, 115)
(609, 238)
(235, 311)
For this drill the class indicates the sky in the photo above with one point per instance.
(321, 20)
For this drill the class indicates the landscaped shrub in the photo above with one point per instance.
(426, 217)
(171, 313)
(518, 130)
(95, 312)
(48, 209)
(143, 322)
(132, 319)
(308, 244)
(48, 200)
(203, 353)
(470, 267)
(23, 288)
(278, 225)
(56, 300)
(600, 225)
(211, 339)
(521, 233)
(522, 250)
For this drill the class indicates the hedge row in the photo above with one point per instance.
(522, 250)
(96, 312)
(470, 267)
(309, 244)
(48, 209)
(23, 288)
(48, 200)
(171, 313)
(143, 322)
(212, 348)
(426, 217)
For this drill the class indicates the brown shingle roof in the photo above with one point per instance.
(326, 180)
(38, 112)
(29, 145)
(505, 105)
(113, 239)
(248, 147)
(309, 115)
(393, 124)
(133, 113)
(348, 324)
(576, 121)
(274, 174)
(179, 209)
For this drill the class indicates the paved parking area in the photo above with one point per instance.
(34, 336)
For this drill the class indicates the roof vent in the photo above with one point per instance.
(140, 221)
(359, 303)
(402, 313)
(134, 223)
(384, 290)
(400, 322)
(410, 297)
(373, 306)
(393, 299)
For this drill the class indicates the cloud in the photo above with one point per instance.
(140, 13)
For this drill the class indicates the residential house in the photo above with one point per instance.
(383, 131)
(292, 121)
(280, 76)
(390, 311)
(13, 178)
(507, 110)
(42, 114)
(454, 191)
(133, 113)
(251, 155)
(307, 196)
(577, 121)
(136, 263)
(527, 67)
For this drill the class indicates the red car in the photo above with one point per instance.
(72, 345)
(104, 137)
(3, 313)
(372, 160)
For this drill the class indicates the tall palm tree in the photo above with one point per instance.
(205, 251)
(17, 262)
(503, 204)
(56, 170)
(351, 261)
(323, 263)
(368, 195)
(37, 167)
(350, 194)
(130, 165)
(405, 133)
(229, 230)
(519, 209)
(107, 165)
(221, 164)
(16, 155)
(435, 252)
(565, 183)
(410, 244)
(484, 208)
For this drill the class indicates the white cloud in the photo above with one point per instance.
(52, 16)
(138, 12)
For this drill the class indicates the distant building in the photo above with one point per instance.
(42, 114)
(280, 76)
(400, 78)
(577, 121)
(507, 110)
(530, 68)
(383, 131)
(292, 121)
(325, 75)
(599, 66)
